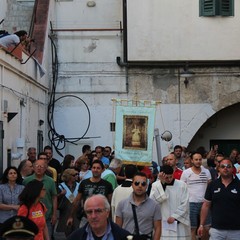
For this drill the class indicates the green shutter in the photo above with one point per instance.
(227, 7)
(207, 7)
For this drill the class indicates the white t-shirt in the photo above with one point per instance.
(9, 41)
(197, 183)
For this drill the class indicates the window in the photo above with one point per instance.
(216, 7)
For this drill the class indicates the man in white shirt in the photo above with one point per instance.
(197, 178)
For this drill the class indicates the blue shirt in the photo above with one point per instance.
(9, 196)
(107, 236)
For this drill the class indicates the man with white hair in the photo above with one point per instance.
(110, 174)
(99, 225)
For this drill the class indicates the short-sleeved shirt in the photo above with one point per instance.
(51, 191)
(88, 188)
(9, 196)
(147, 212)
(225, 204)
(197, 183)
(36, 214)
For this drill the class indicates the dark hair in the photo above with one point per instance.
(22, 164)
(109, 148)
(228, 159)
(5, 175)
(99, 162)
(30, 193)
(166, 169)
(193, 153)
(141, 174)
(130, 170)
(66, 161)
(41, 153)
(178, 147)
(21, 33)
(47, 148)
(99, 147)
(85, 148)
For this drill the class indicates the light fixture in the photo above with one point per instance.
(166, 136)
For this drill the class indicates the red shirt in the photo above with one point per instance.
(36, 213)
(177, 173)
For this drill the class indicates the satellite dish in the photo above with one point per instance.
(166, 136)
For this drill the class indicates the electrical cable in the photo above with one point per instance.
(58, 141)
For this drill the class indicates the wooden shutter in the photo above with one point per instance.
(227, 7)
(207, 7)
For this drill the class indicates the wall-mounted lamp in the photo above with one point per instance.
(186, 73)
(166, 136)
(91, 3)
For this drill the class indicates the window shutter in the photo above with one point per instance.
(227, 7)
(207, 7)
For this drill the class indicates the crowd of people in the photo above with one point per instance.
(95, 196)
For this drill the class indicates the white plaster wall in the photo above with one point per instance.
(3, 10)
(19, 82)
(71, 121)
(173, 30)
(88, 68)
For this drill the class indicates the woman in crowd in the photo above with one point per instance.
(32, 208)
(68, 190)
(9, 192)
(84, 172)
(68, 162)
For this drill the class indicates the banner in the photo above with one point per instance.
(134, 133)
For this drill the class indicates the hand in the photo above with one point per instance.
(200, 230)
(54, 219)
(15, 207)
(170, 220)
(161, 177)
(70, 221)
(63, 192)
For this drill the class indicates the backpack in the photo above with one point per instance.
(3, 33)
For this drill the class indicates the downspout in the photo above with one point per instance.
(125, 47)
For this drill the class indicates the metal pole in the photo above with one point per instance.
(158, 146)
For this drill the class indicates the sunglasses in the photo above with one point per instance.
(96, 211)
(143, 184)
(225, 166)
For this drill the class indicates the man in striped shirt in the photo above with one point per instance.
(197, 178)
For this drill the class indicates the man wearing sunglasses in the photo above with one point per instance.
(223, 198)
(148, 213)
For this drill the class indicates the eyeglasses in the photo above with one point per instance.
(142, 183)
(39, 166)
(225, 166)
(97, 211)
(85, 163)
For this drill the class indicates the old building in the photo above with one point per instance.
(96, 51)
